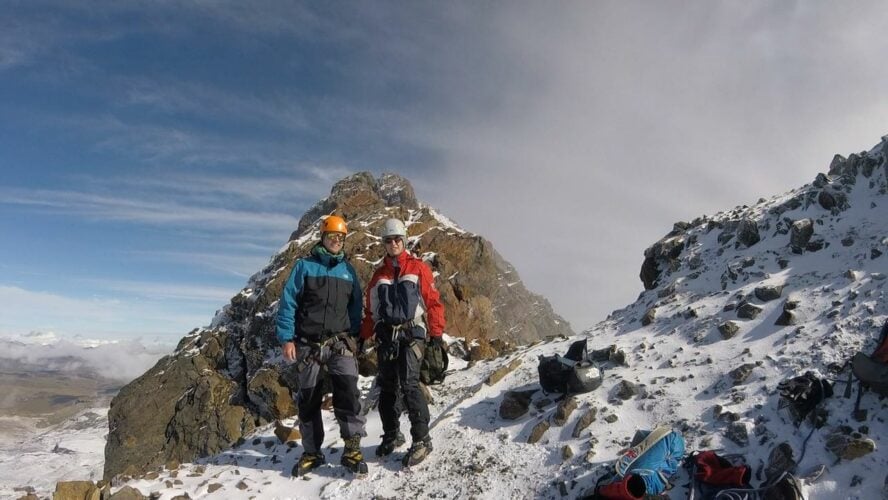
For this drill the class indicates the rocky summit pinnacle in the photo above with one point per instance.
(357, 195)
(225, 380)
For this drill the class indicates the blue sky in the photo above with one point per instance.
(154, 155)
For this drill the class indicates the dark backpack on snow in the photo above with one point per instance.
(573, 373)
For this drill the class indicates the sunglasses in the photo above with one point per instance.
(335, 237)
(392, 239)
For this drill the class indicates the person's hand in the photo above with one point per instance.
(289, 349)
(439, 340)
(360, 347)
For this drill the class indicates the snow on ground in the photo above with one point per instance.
(31, 456)
(680, 362)
(479, 455)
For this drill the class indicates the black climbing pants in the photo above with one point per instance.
(399, 364)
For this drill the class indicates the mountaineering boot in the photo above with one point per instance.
(390, 441)
(418, 451)
(307, 462)
(352, 458)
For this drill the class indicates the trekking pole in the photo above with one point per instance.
(848, 388)
(857, 403)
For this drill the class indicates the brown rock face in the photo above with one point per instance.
(76, 490)
(223, 381)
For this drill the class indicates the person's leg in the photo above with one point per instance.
(417, 406)
(343, 370)
(308, 402)
(409, 363)
(389, 411)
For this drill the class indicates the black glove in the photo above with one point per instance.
(438, 341)
(360, 347)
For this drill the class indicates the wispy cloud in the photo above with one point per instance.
(146, 211)
(273, 190)
(234, 263)
(208, 102)
(23, 310)
(168, 291)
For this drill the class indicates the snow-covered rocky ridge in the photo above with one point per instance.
(701, 276)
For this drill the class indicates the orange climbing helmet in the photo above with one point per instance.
(333, 224)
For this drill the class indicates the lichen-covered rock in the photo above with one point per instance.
(225, 380)
(833, 200)
(567, 452)
(748, 311)
(738, 433)
(748, 233)
(849, 445)
(660, 257)
(502, 371)
(800, 234)
(741, 373)
(482, 351)
(76, 490)
(272, 397)
(286, 433)
(626, 390)
(649, 316)
(563, 410)
(585, 421)
(538, 431)
(789, 316)
(768, 293)
(127, 493)
(515, 404)
(728, 329)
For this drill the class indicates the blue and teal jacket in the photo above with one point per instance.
(659, 463)
(322, 297)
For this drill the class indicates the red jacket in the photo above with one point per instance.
(401, 290)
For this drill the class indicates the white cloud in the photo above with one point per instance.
(640, 115)
(120, 316)
(120, 360)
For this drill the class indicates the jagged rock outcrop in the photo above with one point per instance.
(224, 380)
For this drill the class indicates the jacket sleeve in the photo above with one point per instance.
(432, 299)
(355, 304)
(288, 304)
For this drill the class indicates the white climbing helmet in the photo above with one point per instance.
(393, 227)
